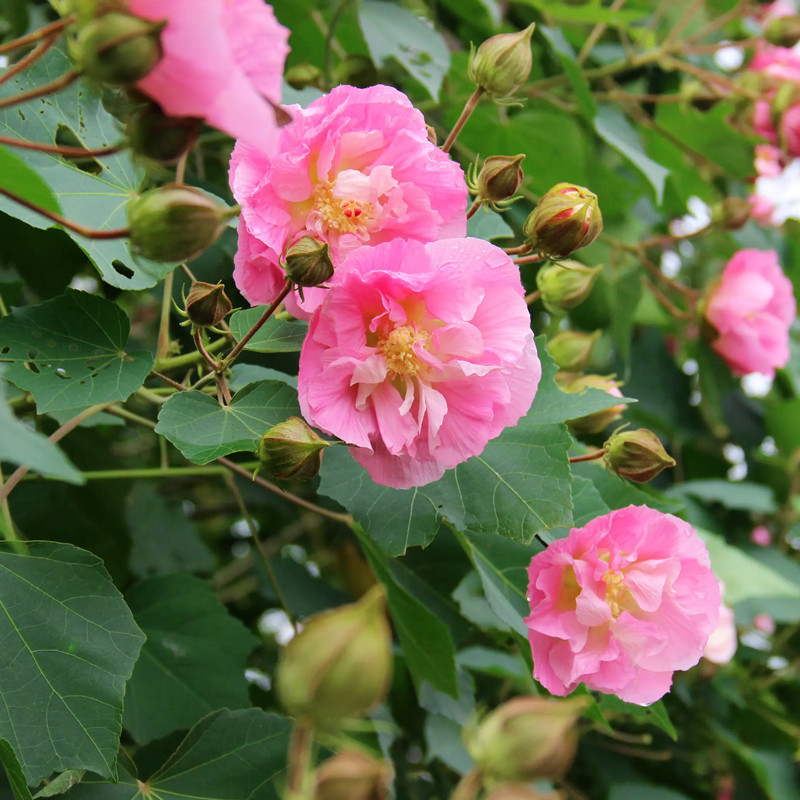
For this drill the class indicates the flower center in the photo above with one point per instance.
(343, 216)
(398, 350)
(616, 591)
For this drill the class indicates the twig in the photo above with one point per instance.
(38, 35)
(54, 86)
(62, 150)
(593, 456)
(466, 113)
(595, 34)
(29, 59)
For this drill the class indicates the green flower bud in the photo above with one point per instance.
(308, 262)
(207, 304)
(117, 48)
(599, 420)
(521, 791)
(502, 63)
(499, 179)
(732, 213)
(783, 31)
(155, 135)
(566, 219)
(526, 739)
(572, 350)
(300, 76)
(351, 775)
(565, 285)
(291, 449)
(175, 223)
(636, 455)
(340, 665)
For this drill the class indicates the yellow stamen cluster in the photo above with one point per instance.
(342, 216)
(398, 350)
(616, 590)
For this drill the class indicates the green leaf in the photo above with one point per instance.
(61, 783)
(20, 445)
(459, 708)
(638, 791)
(655, 713)
(19, 178)
(94, 200)
(444, 740)
(566, 55)
(275, 336)
(391, 31)
(193, 661)
(242, 374)
(16, 780)
(203, 430)
(493, 662)
(590, 13)
(69, 646)
(738, 495)
(488, 225)
(744, 577)
(163, 540)
(228, 755)
(427, 645)
(612, 127)
(69, 352)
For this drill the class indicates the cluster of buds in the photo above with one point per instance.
(636, 455)
(566, 218)
(597, 421)
(497, 182)
(502, 64)
(526, 739)
(291, 450)
(352, 775)
(565, 285)
(340, 665)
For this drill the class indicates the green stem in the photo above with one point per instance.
(466, 113)
(157, 472)
(29, 59)
(9, 530)
(3, 309)
(163, 325)
(187, 359)
(119, 411)
(62, 150)
(38, 35)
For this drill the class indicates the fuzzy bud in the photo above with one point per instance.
(732, 213)
(636, 455)
(499, 178)
(118, 48)
(572, 350)
(291, 449)
(783, 31)
(340, 665)
(565, 285)
(207, 304)
(155, 135)
(566, 219)
(301, 76)
(521, 791)
(351, 775)
(526, 739)
(599, 420)
(308, 262)
(502, 63)
(175, 222)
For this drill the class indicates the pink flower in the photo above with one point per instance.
(752, 307)
(722, 643)
(761, 536)
(419, 356)
(354, 168)
(620, 604)
(223, 63)
(779, 65)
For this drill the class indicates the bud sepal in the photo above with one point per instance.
(291, 449)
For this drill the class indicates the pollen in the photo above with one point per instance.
(342, 216)
(616, 591)
(398, 350)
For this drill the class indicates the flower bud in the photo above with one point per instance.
(566, 219)
(565, 285)
(351, 775)
(291, 449)
(502, 63)
(301, 76)
(599, 420)
(155, 135)
(526, 739)
(636, 455)
(783, 31)
(175, 223)
(521, 791)
(340, 665)
(207, 304)
(118, 48)
(572, 350)
(499, 178)
(732, 213)
(308, 262)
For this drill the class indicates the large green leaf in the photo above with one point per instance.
(94, 200)
(16, 780)
(194, 659)
(69, 352)
(19, 178)
(519, 486)
(228, 755)
(740, 495)
(203, 430)
(275, 336)
(69, 646)
(21, 445)
(392, 31)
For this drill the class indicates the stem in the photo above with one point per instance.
(11, 534)
(595, 34)
(680, 25)
(254, 330)
(665, 302)
(737, 11)
(469, 786)
(532, 259)
(62, 150)
(712, 79)
(474, 209)
(513, 251)
(690, 294)
(154, 472)
(187, 359)
(531, 298)
(466, 113)
(163, 325)
(119, 411)
(345, 519)
(207, 357)
(66, 428)
(180, 168)
(38, 35)
(251, 523)
(40, 91)
(327, 61)
(89, 233)
(299, 761)
(593, 456)
(29, 59)
(3, 309)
